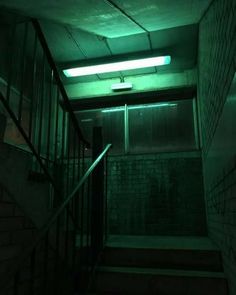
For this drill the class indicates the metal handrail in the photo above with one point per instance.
(44, 230)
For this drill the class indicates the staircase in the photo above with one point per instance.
(160, 265)
(36, 117)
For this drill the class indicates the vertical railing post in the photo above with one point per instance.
(11, 60)
(23, 69)
(33, 87)
(41, 107)
(45, 262)
(97, 201)
(105, 198)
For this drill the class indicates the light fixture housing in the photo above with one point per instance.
(121, 86)
(118, 66)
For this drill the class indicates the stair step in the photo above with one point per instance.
(196, 253)
(164, 272)
(161, 242)
(208, 260)
(127, 280)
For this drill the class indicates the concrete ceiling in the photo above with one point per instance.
(71, 47)
(114, 18)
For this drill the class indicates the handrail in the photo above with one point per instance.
(58, 79)
(44, 230)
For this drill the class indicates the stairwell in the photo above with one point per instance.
(160, 265)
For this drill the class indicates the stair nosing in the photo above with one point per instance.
(163, 272)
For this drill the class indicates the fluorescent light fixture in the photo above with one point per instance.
(118, 66)
(121, 86)
(146, 106)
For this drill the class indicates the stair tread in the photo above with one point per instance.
(164, 272)
(161, 242)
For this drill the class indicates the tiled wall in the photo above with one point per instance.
(156, 194)
(217, 95)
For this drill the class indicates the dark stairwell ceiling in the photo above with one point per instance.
(78, 31)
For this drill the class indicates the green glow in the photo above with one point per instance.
(118, 66)
(159, 105)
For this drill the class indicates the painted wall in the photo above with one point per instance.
(156, 194)
(217, 95)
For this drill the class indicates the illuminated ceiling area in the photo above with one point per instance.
(86, 33)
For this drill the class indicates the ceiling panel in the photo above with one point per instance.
(93, 16)
(103, 19)
(92, 45)
(162, 14)
(60, 43)
(128, 44)
(174, 36)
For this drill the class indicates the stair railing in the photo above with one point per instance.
(61, 255)
(35, 101)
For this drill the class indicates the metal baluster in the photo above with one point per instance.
(77, 198)
(41, 107)
(45, 263)
(58, 237)
(63, 135)
(49, 120)
(79, 151)
(11, 66)
(68, 157)
(73, 168)
(88, 222)
(74, 135)
(56, 127)
(57, 258)
(63, 180)
(23, 68)
(82, 200)
(67, 232)
(74, 244)
(105, 196)
(32, 271)
(33, 92)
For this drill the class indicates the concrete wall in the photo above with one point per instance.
(217, 47)
(156, 194)
(16, 231)
(32, 197)
(140, 84)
